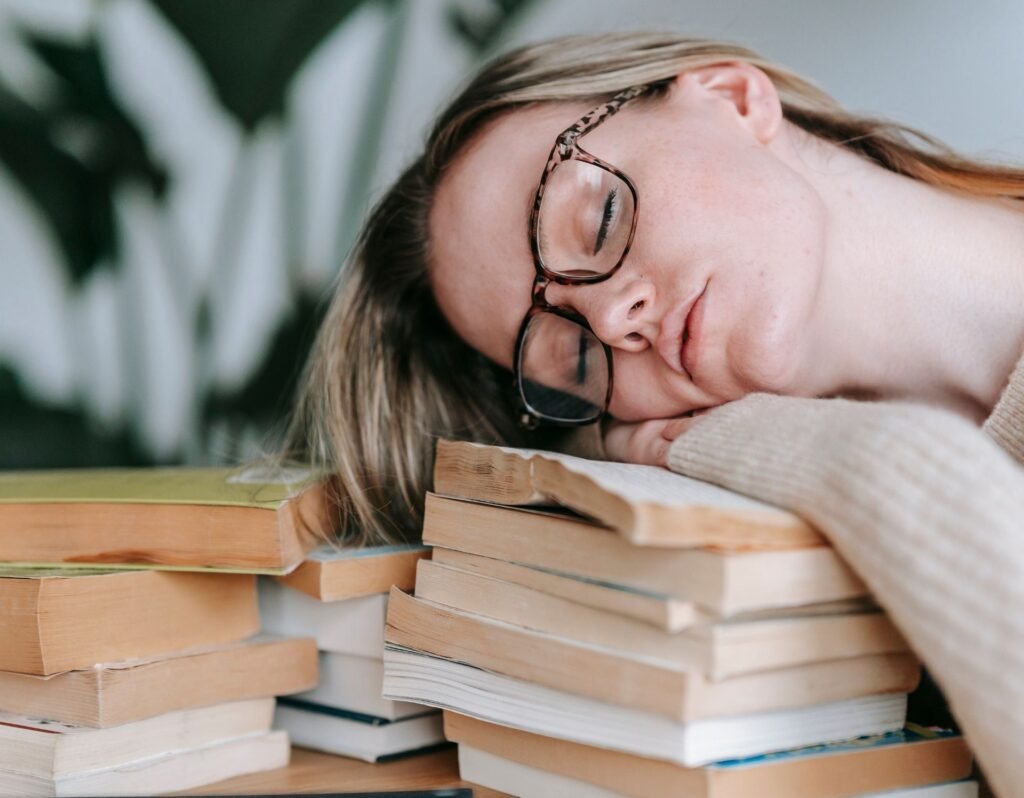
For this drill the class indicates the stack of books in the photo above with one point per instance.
(664, 637)
(131, 659)
(339, 597)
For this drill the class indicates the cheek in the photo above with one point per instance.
(777, 293)
(764, 351)
(771, 280)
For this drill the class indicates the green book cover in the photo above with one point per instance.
(256, 487)
(252, 486)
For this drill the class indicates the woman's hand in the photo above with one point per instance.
(644, 442)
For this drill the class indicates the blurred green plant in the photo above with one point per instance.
(72, 149)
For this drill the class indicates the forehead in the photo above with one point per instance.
(481, 266)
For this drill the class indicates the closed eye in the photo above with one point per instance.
(581, 359)
(611, 205)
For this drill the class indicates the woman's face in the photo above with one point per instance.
(723, 215)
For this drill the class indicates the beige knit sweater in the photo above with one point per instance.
(928, 508)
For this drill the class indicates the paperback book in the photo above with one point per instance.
(647, 506)
(255, 520)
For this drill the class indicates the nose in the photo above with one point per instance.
(619, 309)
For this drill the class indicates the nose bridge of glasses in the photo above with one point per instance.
(540, 287)
(566, 144)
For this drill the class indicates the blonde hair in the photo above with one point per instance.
(387, 375)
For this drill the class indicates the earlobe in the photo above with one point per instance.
(748, 90)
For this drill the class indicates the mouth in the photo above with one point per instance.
(688, 340)
(677, 332)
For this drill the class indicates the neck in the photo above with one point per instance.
(922, 290)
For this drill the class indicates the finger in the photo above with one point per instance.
(616, 440)
(676, 427)
(639, 442)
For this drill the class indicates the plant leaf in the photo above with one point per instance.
(252, 49)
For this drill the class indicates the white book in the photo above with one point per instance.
(352, 626)
(323, 730)
(504, 775)
(412, 676)
(54, 750)
(355, 683)
(175, 770)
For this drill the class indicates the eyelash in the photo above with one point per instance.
(610, 206)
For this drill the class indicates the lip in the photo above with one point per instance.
(670, 343)
(690, 346)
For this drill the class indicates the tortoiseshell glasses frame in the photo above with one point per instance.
(567, 148)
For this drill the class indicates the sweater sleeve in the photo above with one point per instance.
(926, 508)
(1006, 424)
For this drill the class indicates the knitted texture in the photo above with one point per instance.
(926, 508)
(1006, 424)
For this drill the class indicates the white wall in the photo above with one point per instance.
(950, 67)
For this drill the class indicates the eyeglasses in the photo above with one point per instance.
(581, 228)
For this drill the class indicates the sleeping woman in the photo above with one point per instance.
(671, 251)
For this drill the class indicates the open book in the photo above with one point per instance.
(648, 506)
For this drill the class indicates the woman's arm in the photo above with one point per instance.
(926, 508)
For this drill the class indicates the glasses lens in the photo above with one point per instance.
(586, 215)
(563, 370)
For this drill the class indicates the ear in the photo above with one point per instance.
(749, 92)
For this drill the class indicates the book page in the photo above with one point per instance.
(648, 484)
